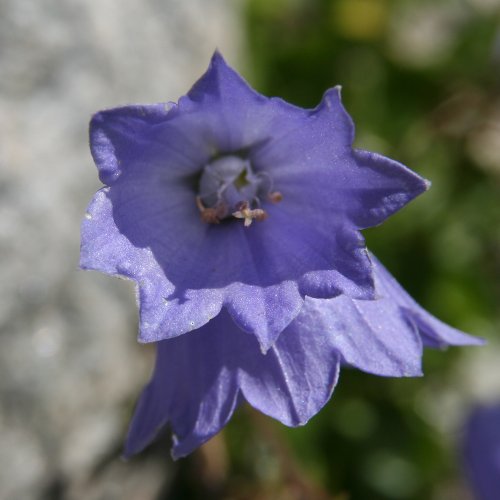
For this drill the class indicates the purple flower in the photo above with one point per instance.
(482, 451)
(232, 201)
(201, 378)
(237, 214)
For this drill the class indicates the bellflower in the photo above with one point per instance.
(200, 378)
(239, 218)
(231, 200)
(482, 451)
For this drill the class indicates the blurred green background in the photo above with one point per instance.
(421, 81)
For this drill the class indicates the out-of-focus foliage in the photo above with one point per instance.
(422, 81)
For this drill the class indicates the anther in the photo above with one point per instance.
(211, 215)
(245, 212)
(275, 197)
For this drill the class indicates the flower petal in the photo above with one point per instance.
(264, 311)
(103, 247)
(372, 336)
(198, 377)
(382, 187)
(296, 377)
(191, 390)
(434, 332)
(225, 111)
(314, 165)
(164, 312)
(306, 140)
(114, 135)
(481, 450)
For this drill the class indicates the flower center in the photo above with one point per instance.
(229, 187)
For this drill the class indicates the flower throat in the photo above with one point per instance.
(229, 188)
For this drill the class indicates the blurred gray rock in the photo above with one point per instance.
(70, 367)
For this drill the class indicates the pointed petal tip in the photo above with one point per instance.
(461, 339)
(178, 449)
(217, 56)
(83, 266)
(129, 450)
(183, 447)
(95, 119)
(335, 92)
(421, 185)
(217, 61)
(264, 348)
(266, 343)
(413, 371)
(437, 334)
(150, 334)
(465, 340)
(143, 340)
(264, 327)
(300, 422)
(177, 453)
(332, 97)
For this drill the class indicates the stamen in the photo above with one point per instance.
(211, 215)
(275, 197)
(245, 212)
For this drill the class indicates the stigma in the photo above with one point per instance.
(249, 214)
